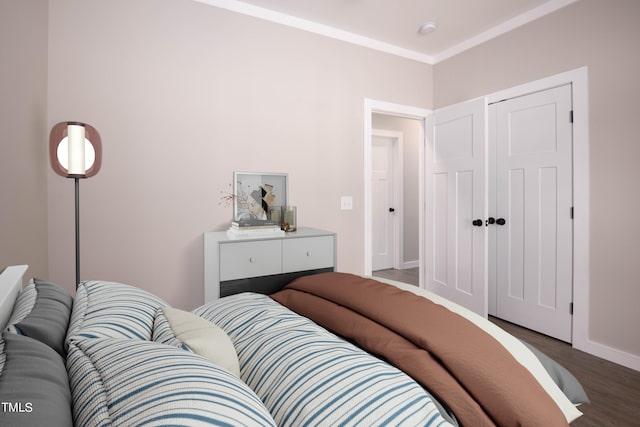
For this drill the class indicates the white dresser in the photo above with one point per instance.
(263, 264)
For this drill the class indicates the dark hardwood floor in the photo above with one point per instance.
(614, 390)
(410, 275)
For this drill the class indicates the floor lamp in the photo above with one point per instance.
(75, 151)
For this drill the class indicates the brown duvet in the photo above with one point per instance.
(464, 367)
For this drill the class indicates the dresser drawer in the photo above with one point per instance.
(250, 259)
(307, 253)
(264, 264)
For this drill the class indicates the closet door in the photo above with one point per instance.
(533, 202)
(456, 258)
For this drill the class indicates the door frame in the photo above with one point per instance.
(374, 106)
(398, 192)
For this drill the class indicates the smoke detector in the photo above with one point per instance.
(427, 27)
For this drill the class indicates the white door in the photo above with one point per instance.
(382, 201)
(533, 176)
(456, 259)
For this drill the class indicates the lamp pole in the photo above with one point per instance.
(77, 188)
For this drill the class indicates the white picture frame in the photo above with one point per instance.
(254, 193)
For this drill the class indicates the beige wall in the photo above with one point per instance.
(23, 149)
(410, 129)
(183, 94)
(604, 37)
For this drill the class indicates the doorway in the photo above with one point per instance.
(395, 171)
(383, 112)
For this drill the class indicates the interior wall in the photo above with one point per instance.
(567, 39)
(410, 129)
(23, 162)
(183, 94)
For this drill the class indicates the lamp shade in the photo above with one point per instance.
(75, 150)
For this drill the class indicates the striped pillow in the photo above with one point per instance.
(306, 375)
(109, 309)
(22, 307)
(123, 382)
(163, 333)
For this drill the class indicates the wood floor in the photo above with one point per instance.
(614, 390)
(409, 275)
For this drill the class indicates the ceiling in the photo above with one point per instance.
(392, 25)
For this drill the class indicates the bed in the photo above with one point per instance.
(328, 349)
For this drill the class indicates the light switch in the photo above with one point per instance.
(346, 203)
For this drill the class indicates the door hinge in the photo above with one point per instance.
(571, 116)
(571, 308)
(571, 212)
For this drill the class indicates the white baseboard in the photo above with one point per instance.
(611, 354)
(410, 264)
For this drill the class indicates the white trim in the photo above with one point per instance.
(410, 264)
(611, 354)
(581, 297)
(500, 29)
(359, 40)
(372, 106)
(574, 77)
(316, 28)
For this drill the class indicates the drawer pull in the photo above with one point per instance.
(250, 259)
(308, 253)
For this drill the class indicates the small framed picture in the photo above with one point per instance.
(254, 195)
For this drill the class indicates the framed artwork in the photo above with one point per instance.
(255, 193)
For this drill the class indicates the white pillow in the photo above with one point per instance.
(193, 333)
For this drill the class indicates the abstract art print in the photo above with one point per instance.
(254, 193)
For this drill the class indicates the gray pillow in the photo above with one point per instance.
(34, 389)
(569, 384)
(48, 320)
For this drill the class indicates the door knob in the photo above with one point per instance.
(391, 210)
(477, 222)
(501, 221)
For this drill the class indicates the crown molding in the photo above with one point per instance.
(520, 20)
(314, 27)
(359, 40)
